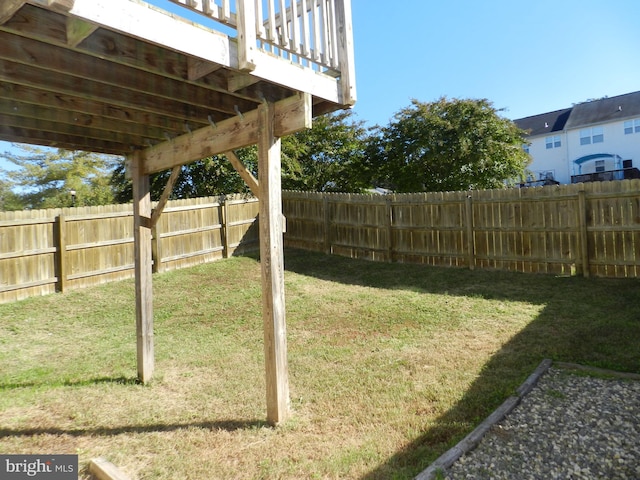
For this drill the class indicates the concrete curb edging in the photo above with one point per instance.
(102, 469)
(472, 440)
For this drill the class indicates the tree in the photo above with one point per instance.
(447, 145)
(46, 178)
(9, 200)
(329, 157)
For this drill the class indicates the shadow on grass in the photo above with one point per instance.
(587, 321)
(72, 383)
(226, 425)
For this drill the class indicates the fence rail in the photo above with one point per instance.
(588, 229)
(45, 251)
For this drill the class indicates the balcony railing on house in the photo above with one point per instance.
(621, 174)
(315, 34)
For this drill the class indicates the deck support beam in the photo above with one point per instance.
(143, 264)
(272, 267)
(292, 114)
(166, 193)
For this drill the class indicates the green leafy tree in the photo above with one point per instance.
(46, 178)
(329, 157)
(447, 145)
(9, 200)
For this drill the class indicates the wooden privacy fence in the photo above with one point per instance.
(44, 251)
(590, 229)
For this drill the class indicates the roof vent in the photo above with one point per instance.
(619, 108)
(546, 125)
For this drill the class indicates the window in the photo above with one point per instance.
(597, 135)
(599, 165)
(632, 126)
(553, 142)
(585, 136)
(591, 135)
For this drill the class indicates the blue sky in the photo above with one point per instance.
(526, 57)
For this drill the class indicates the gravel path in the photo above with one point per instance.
(567, 427)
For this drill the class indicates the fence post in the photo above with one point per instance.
(225, 227)
(327, 226)
(389, 229)
(584, 238)
(470, 240)
(156, 249)
(61, 231)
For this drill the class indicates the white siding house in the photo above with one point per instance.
(593, 141)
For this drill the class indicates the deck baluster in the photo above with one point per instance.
(305, 29)
(333, 35)
(271, 33)
(260, 30)
(295, 28)
(317, 25)
(284, 30)
(208, 7)
(226, 10)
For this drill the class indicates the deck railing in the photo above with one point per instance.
(312, 33)
(621, 174)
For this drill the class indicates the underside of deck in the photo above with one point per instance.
(114, 76)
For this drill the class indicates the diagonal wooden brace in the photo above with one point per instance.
(168, 188)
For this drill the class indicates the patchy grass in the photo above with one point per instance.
(389, 365)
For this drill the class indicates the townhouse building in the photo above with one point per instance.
(597, 140)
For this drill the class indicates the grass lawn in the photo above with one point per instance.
(389, 365)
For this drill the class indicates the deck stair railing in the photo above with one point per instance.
(312, 33)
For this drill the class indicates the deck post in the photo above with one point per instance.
(272, 267)
(346, 51)
(143, 262)
(246, 34)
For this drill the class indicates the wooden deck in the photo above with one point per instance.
(127, 78)
(114, 76)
